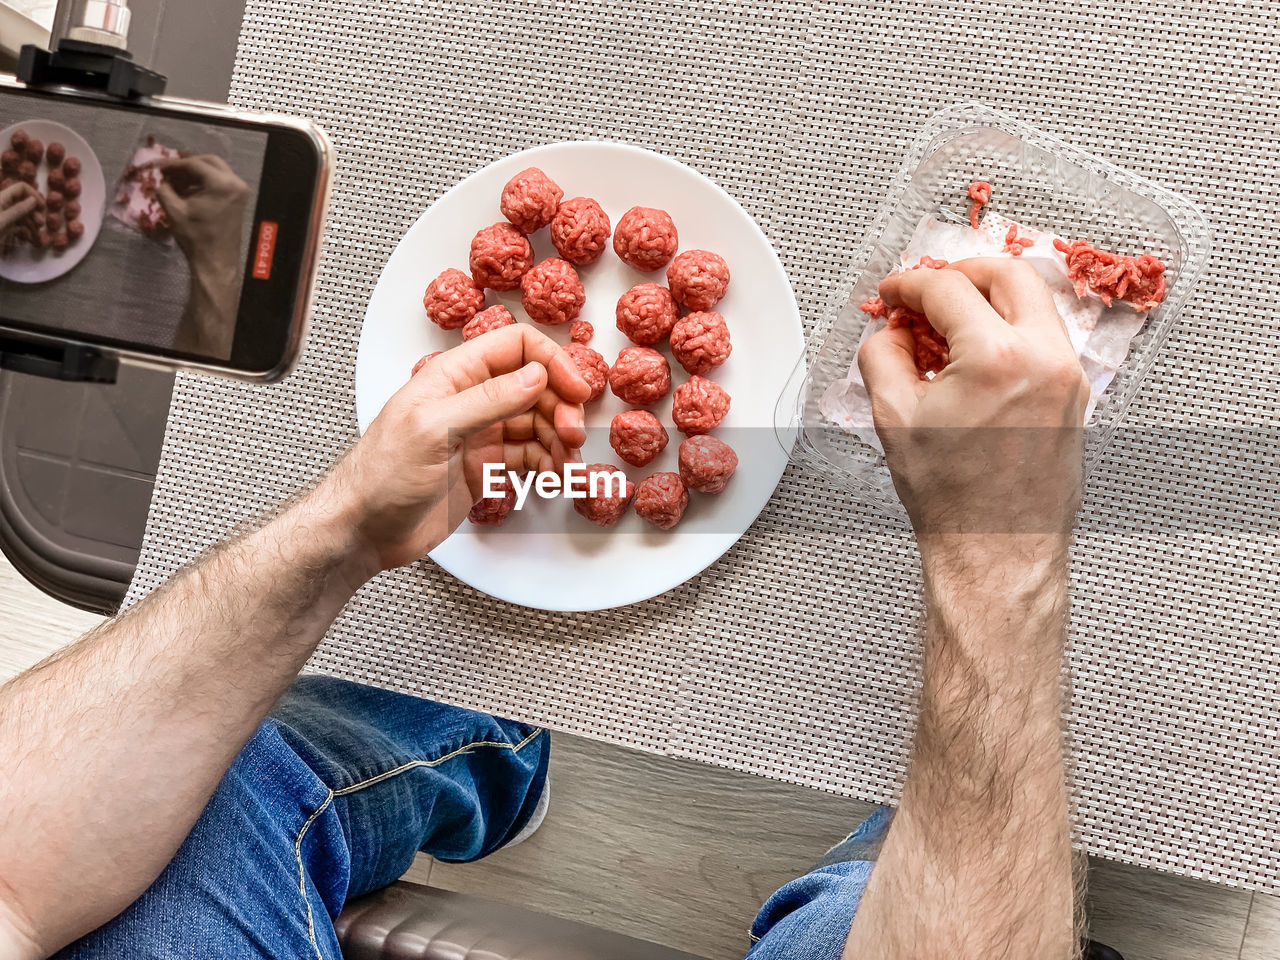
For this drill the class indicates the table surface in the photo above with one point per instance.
(796, 655)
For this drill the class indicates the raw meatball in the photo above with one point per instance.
(486, 320)
(75, 230)
(452, 299)
(42, 240)
(646, 313)
(593, 367)
(580, 230)
(637, 437)
(581, 331)
(491, 511)
(72, 187)
(706, 464)
(698, 279)
(55, 154)
(54, 222)
(73, 209)
(646, 238)
(604, 510)
(700, 342)
(34, 151)
(54, 200)
(71, 166)
(661, 499)
(59, 241)
(500, 256)
(551, 292)
(56, 180)
(10, 161)
(27, 172)
(19, 141)
(530, 199)
(698, 406)
(423, 361)
(640, 376)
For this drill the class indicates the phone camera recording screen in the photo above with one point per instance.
(127, 227)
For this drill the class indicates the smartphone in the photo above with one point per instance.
(168, 231)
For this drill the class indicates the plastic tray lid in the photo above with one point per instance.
(1038, 181)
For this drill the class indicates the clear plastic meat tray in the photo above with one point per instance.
(1039, 182)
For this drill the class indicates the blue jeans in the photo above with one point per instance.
(330, 799)
(809, 918)
(335, 793)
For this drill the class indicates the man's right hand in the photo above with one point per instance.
(993, 443)
(509, 396)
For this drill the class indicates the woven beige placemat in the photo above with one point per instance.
(795, 656)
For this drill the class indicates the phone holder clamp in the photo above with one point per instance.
(89, 66)
(58, 359)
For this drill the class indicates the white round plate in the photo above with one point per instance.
(547, 556)
(26, 264)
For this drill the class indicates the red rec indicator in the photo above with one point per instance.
(265, 251)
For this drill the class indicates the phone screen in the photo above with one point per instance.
(148, 224)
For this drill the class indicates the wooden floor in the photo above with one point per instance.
(682, 854)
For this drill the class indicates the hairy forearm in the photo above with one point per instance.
(978, 862)
(209, 319)
(112, 747)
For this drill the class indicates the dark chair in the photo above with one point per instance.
(408, 921)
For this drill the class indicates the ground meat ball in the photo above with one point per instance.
(700, 341)
(491, 511)
(637, 437)
(55, 154)
(661, 499)
(581, 331)
(593, 367)
(71, 166)
(646, 313)
(34, 151)
(10, 161)
(72, 187)
(640, 376)
(646, 238)
(530, 199)
(486, 320)
(59, 241)
(698, 406)
(603, 510)
(75, 230)
(73, 209)
(500, 256)
(423, 361)
(706, 464)
(551, 292)
(698, 279)
(27, 171)
(580, 230)
(54, 200)
(929, 346)
(53, 221)
(452, 299)
(19, 141)
(56, 180)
